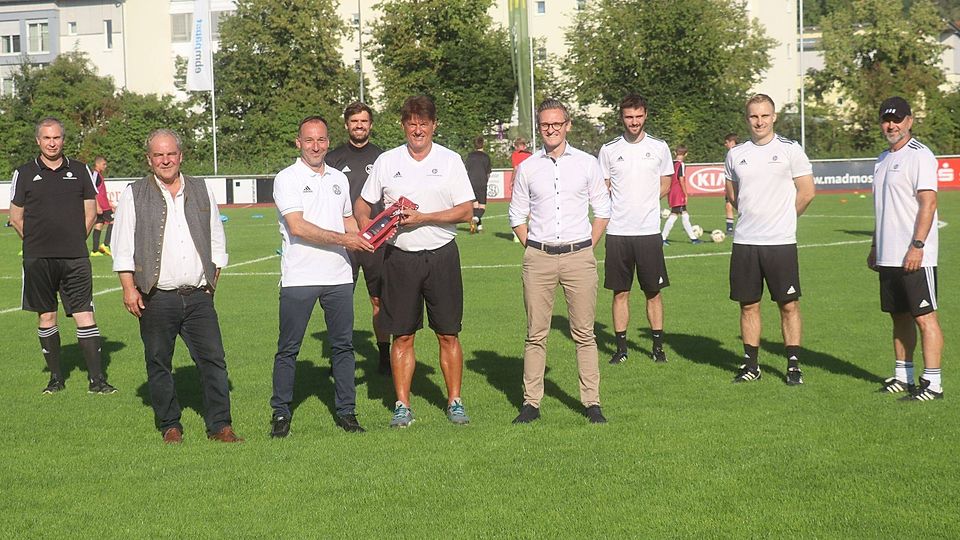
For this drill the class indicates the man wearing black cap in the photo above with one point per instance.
(904, 251)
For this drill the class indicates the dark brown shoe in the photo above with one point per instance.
(225, 435)
(173, 435)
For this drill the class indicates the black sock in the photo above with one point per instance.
(657, 339)
(50, 345)
(384, 347)
(96, 240)
(621, 341)
(793, 356)
(479, 212)
(750, 354)
(88, 337)
(476, 213)
(106, 237)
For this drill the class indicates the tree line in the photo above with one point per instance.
(695, 61)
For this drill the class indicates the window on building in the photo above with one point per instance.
(541, 7)
(355, 20)
(581, 5)
(108, 33)
(10, 44)
(38, 37)
(72, 28)
(6, 87)
(180, 27)
(215, 18)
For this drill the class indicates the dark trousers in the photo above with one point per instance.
(193, 318)
(296, 307)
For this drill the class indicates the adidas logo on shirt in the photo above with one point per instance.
(743, 162)
(620, 158)
(398, 175)
(791, 290)
(37, 177)
(346, 169)
(306, 189)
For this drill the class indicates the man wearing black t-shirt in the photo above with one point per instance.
(355, 159)
(53, 207)
(478, 170)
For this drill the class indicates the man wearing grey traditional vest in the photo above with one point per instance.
(168, 249)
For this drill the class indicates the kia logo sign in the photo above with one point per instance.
(708, 179)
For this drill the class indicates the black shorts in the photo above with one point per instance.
(105, 217)
(751, 265)
(641, 254)
(412, 278)
(678, 209)
(372, 264)
(908, 292)
(480, 193)
(43, 278)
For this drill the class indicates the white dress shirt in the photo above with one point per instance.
(555, 194)
(180, 263)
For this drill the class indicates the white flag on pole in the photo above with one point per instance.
(200, 63)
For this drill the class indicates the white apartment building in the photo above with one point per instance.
(137, 41)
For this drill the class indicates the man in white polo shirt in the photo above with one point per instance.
(904, 251)
(552, 191)
(421, 263)
(770, 183)
(317, 227)
(638, 169)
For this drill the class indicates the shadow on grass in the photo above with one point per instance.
(186, 384)
(505, 236)
(704, 350)
(855, 232)
(506, 375)
(606, 339)
(71, 357)
(826, 362)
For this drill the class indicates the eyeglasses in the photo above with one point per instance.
(554, 126)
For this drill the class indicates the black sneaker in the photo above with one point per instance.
(922, 392)
(280, 426)
(348, 422)
(55, 385)
(746, 374)
(659, 356)
(895, 386)
(794, 376)
(618, 358)
(528, 413)
(100, 386)
(595, 415)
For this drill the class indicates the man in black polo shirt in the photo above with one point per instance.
(53, 207)
(355, 158)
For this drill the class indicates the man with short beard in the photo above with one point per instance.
(354, 159)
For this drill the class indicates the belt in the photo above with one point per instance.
(185, 290)
(559, 249)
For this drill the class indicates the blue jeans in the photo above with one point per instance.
(296, 307)
(193, 318)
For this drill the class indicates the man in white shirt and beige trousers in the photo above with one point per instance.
(548, 212)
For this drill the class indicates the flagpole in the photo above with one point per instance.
(533, 105)
(213, 110)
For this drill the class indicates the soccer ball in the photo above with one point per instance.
(697, 231)
(665, 213)
(717, 236)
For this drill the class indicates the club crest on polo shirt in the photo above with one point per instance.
(434, 172)
(336, 189)
(69, 176)
(368, 168)
(774, 158)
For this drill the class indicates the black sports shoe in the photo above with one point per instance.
(746, 374)
(55, 385)
(659, 356)
(618, 357)
(528, 413)
(100, 386)
(349, 423)
(595, 415)
(922, 392)
(794, 376)
(895, 386)
(280, 427)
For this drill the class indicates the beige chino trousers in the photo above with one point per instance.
(577, 273)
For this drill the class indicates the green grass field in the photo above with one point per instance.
(685, 454)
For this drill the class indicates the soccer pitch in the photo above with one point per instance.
(685, 454)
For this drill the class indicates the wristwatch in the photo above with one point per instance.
(917, 244)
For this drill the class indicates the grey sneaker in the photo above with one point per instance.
(457, 414)
(402, 416)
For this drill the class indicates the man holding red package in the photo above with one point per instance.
(421, 262)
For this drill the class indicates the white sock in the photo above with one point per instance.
(933, 375)
(685, 219)
(903, 371)
(668, 225)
